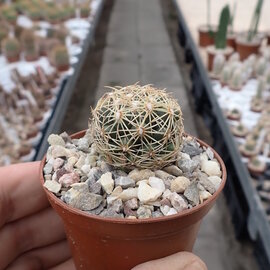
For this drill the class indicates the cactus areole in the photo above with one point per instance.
(137, 126)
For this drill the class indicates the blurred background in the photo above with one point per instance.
(56, 57)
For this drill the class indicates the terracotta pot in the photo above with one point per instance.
(205, 37)
(63, 68)
(107, 243)
(212, 52)
(245, 49)
(231, 41)
(12, 59)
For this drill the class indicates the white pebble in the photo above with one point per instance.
(157, 183)
(216, 181)
(179, 184)
(107, 182)
(211, 167)
(52, 186)
(54, 139)
(147, 194)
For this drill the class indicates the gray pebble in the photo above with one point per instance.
(132, 203)
(191, 148)
(157, 214)
(164, 175)
(111, 213)
(206, 183)
(192, 193)
(188, 165)
(94, 187)
(144, 212)
(97, 210)
(117, 206)
(178, 203)
(124, 182)
(174, 170)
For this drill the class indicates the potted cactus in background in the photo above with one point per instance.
(34, 13)
(132, 187)
(9, 14)
(250, 42)
(30, 45)
(85, 10)
(11, 49)
(3, 33)
(60, 58)
(207, 32)
(220, 46)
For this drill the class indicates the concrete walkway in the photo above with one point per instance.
(138, 49)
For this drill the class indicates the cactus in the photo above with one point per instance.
(3, 33)
(60, 58)
(53, 15)
(235, 57)
(267, 76)
(11, 49)
(9, 14)
(137, 125)
(34, 13)
(260, 66)
(236, 81)
(218, 64)
(255, 21)
(221, 36)
(225, 75)
(30, 45)
(85, 10)
(260, 88)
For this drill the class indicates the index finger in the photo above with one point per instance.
(21, 193)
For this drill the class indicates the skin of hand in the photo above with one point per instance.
(32, 235)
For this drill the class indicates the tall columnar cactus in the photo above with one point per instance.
(255, 21)
(221, 35)
(30, 45)
(137, 126)
(226, 74)
(260, 66)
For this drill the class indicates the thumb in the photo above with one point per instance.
(178, 261)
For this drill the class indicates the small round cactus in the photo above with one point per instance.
(218, 64)
(11, 49)
(60, 58)
(137, 126)
(34, 13)
(3, 33)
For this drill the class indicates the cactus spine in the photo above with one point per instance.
(137, 126)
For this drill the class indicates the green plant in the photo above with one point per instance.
(11, 47)
(255, 21)
(221, 35)
(29, 44)
(85, 10)
(60, 57)
(137, 125)
(9, 14)
(218, 64)
(34, 13)
(237, 79)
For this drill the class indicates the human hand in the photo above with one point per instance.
(31, 234)
(178, 261)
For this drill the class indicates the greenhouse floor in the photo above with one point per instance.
(138, 49)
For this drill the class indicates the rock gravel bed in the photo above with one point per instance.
(78, 175)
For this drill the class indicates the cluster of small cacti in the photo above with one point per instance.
(11, 49)
(30, 45)
(9, 14)
(137, 125)
(60, 58)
